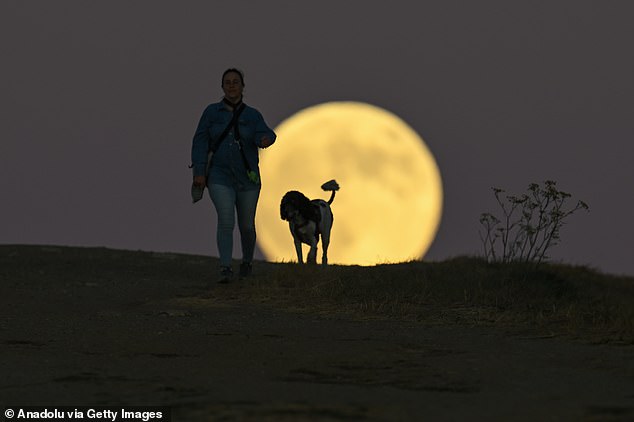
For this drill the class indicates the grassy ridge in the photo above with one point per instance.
(555, 298)
(560, 298)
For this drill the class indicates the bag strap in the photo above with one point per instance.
(252, 175)
(232, 123)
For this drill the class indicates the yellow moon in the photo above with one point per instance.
(390, 202)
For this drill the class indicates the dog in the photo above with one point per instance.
(308, 220)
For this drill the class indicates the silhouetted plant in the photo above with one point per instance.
(529, 225)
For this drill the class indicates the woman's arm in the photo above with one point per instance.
(200, 145)
(264, 135)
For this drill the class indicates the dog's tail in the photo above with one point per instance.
(332, 186)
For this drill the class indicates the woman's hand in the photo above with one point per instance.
(265, 141)
(200, 181)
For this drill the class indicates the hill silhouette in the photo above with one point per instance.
(447, 340)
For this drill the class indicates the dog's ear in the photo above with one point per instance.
(283, 214)
(287, 201)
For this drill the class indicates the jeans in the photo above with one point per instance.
(226, 199)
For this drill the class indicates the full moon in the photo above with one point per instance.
(390, 202)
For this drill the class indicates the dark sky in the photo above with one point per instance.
(100, 100)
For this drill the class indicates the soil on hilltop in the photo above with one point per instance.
(94, 326)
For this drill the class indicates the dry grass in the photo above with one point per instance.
(555, 298)
(560, 298)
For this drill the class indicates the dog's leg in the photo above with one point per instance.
(312, 254)
(325, 241)
(298, 249)
(326, 227)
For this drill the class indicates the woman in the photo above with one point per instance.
(232, 175)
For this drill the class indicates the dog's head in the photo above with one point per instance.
(296, 204)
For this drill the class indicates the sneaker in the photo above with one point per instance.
(226, 274)
(245, 269)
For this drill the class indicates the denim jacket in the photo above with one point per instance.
(227, 167)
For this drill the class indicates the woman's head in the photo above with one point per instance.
(233, 84)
